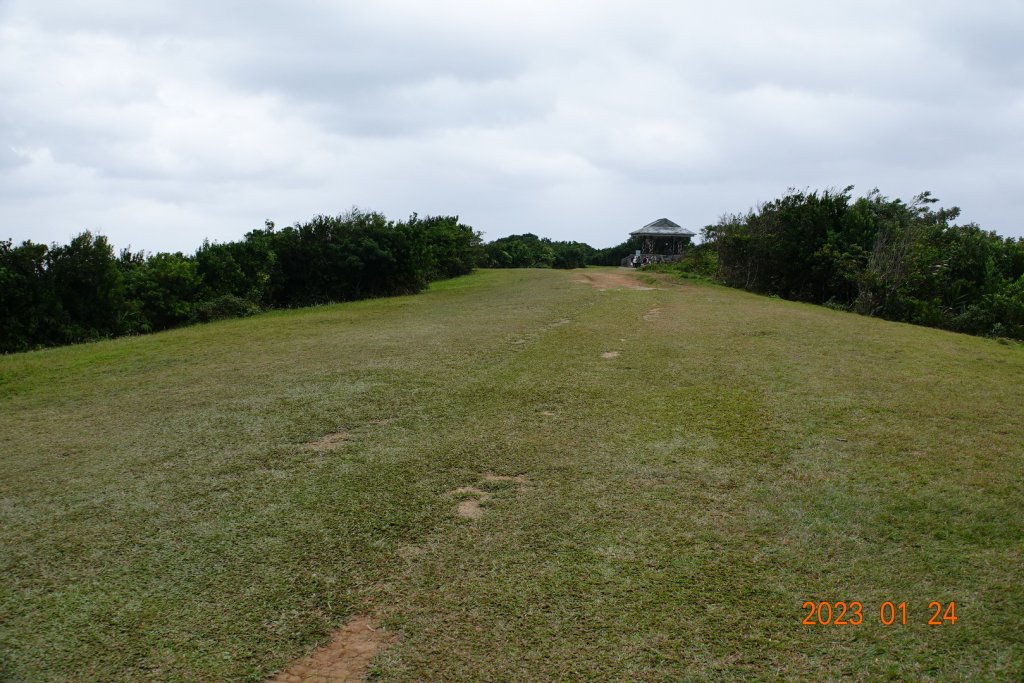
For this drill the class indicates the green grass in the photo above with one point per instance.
(162, 519)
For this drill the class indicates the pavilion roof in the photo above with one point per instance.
(662, 227)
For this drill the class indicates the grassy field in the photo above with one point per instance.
(694, 464)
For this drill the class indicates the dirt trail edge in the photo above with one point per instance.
(604, 279)
(345, 659)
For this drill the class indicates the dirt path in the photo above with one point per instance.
(345, 659)
(608, 279)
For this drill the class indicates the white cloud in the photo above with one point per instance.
(163, 123)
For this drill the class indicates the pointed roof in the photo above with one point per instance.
(662, 227)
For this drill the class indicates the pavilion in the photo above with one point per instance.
(664, 239)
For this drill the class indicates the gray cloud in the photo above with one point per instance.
(164, 123)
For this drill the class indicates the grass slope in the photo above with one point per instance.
(162, 518)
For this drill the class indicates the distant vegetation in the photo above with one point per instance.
(69, 293)
(612, 256)
(61, 294)
(873, 255)
(530, 251)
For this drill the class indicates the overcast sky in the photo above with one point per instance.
(161, 123)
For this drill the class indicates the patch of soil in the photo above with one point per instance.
(328, 441)
(470, 508)
(346, 658)
(610, 354)
(411, 552)
(604, 279)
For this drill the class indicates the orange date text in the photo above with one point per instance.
(890, 613)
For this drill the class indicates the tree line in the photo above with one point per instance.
(62, 294)
(873, 255)
(530, 251)
(903, 261)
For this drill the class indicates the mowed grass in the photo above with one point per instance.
(163, 518)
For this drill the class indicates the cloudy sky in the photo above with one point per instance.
(161, 123)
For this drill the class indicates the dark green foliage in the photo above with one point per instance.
(243, 269)
(698, 261)
(60, 294)
(222, 307)
(342, 258)
(787, 247)
(88, 286)
(454, 249)
(161, 290)
(613, 256)
(218, 266)
(28, 306)
(572, 254)
(530, 251)
(519, 251)
(877, 256)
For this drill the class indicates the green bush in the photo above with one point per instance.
(530, 251)
(877, 256)
(29, 310)
(222, 307)
(613, 256)
(161, 290)
(61, 294)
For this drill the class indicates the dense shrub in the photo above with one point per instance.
(161, 290)
(60, 294)
(613, 256)
(223, 307)
(453, 249)
(341, 258)
(530, 251)
(698, 261)
(28, 307)
(878, 256)
(88, 288)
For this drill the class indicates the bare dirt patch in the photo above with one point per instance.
(471, 505)
(470, 508)
(328, 441)
(610, 354)
(411, 552)
(346, 658)
(603, 279)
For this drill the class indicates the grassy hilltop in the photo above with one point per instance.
(664, 476)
